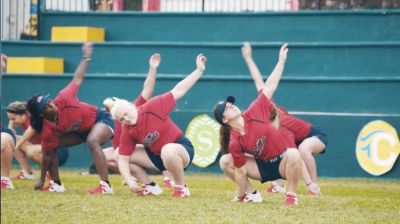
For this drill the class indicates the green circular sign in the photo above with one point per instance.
(203, 132)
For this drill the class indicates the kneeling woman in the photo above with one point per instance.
(165, 146)
(66, 121)
(28, 145)
(257, 149)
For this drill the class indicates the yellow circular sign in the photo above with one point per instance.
(377, 147)
(203, 132)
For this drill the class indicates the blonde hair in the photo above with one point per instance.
(119, 106)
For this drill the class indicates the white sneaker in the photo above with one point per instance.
(103, 188)
(6, 183)
(54, 187)
(253, 197)
(23, 175)
(148, 190)
(181, 191)
(276, 188)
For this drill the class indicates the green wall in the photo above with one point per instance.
(356, 59)
(303, 26)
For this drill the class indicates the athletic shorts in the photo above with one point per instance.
(62, 154)
(102, 116)
(157, 161)
(8, 131)
(320, 134)
(269, 169)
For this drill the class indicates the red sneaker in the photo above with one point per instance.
(181, 191)
(103, 188)
(291, 199)
(6, 183)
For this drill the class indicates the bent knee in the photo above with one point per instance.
(168, 151)
(293, 156)
(225, 160)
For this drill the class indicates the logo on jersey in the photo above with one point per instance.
(150, 139)
(257, 151)
(377, 147)
(75, 125)
(203, 132)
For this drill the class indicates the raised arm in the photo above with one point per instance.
(87, 50)
(149, 83)
(254, 71)
(184, 85)
(273, 80)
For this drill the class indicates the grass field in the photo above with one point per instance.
(343, 201)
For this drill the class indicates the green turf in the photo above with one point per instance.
(343, 201)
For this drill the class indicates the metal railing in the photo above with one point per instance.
(20, 18)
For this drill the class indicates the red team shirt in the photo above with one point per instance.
(36, 138)
(73, 116)
(300, 128)
(118, 127)
(153, 129)
(262, 139)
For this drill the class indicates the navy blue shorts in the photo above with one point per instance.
(269, 169)
(62, 154)
(8, 131)
(157, 161)
(104, 117)
(320, 134)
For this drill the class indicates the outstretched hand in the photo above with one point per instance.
(201, 62)
(155, 60)
(283, 52)
(246, 50)
(87, 50)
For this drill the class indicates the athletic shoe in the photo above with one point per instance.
(291, 199)
(168, 183)
(276, 188)
(313, 190)
(54, 187)
(103, 188)
(6, 183)
(253, 197)
(181, 191)
(148, 190)
(23, 175)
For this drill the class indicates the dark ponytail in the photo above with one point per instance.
(36, 118)
(224, 138)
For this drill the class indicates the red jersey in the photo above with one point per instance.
(118, 127)
(288, 137)
(73, 116)
(300, 128)
(154, 128)
(262, 139)
(36, 138)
